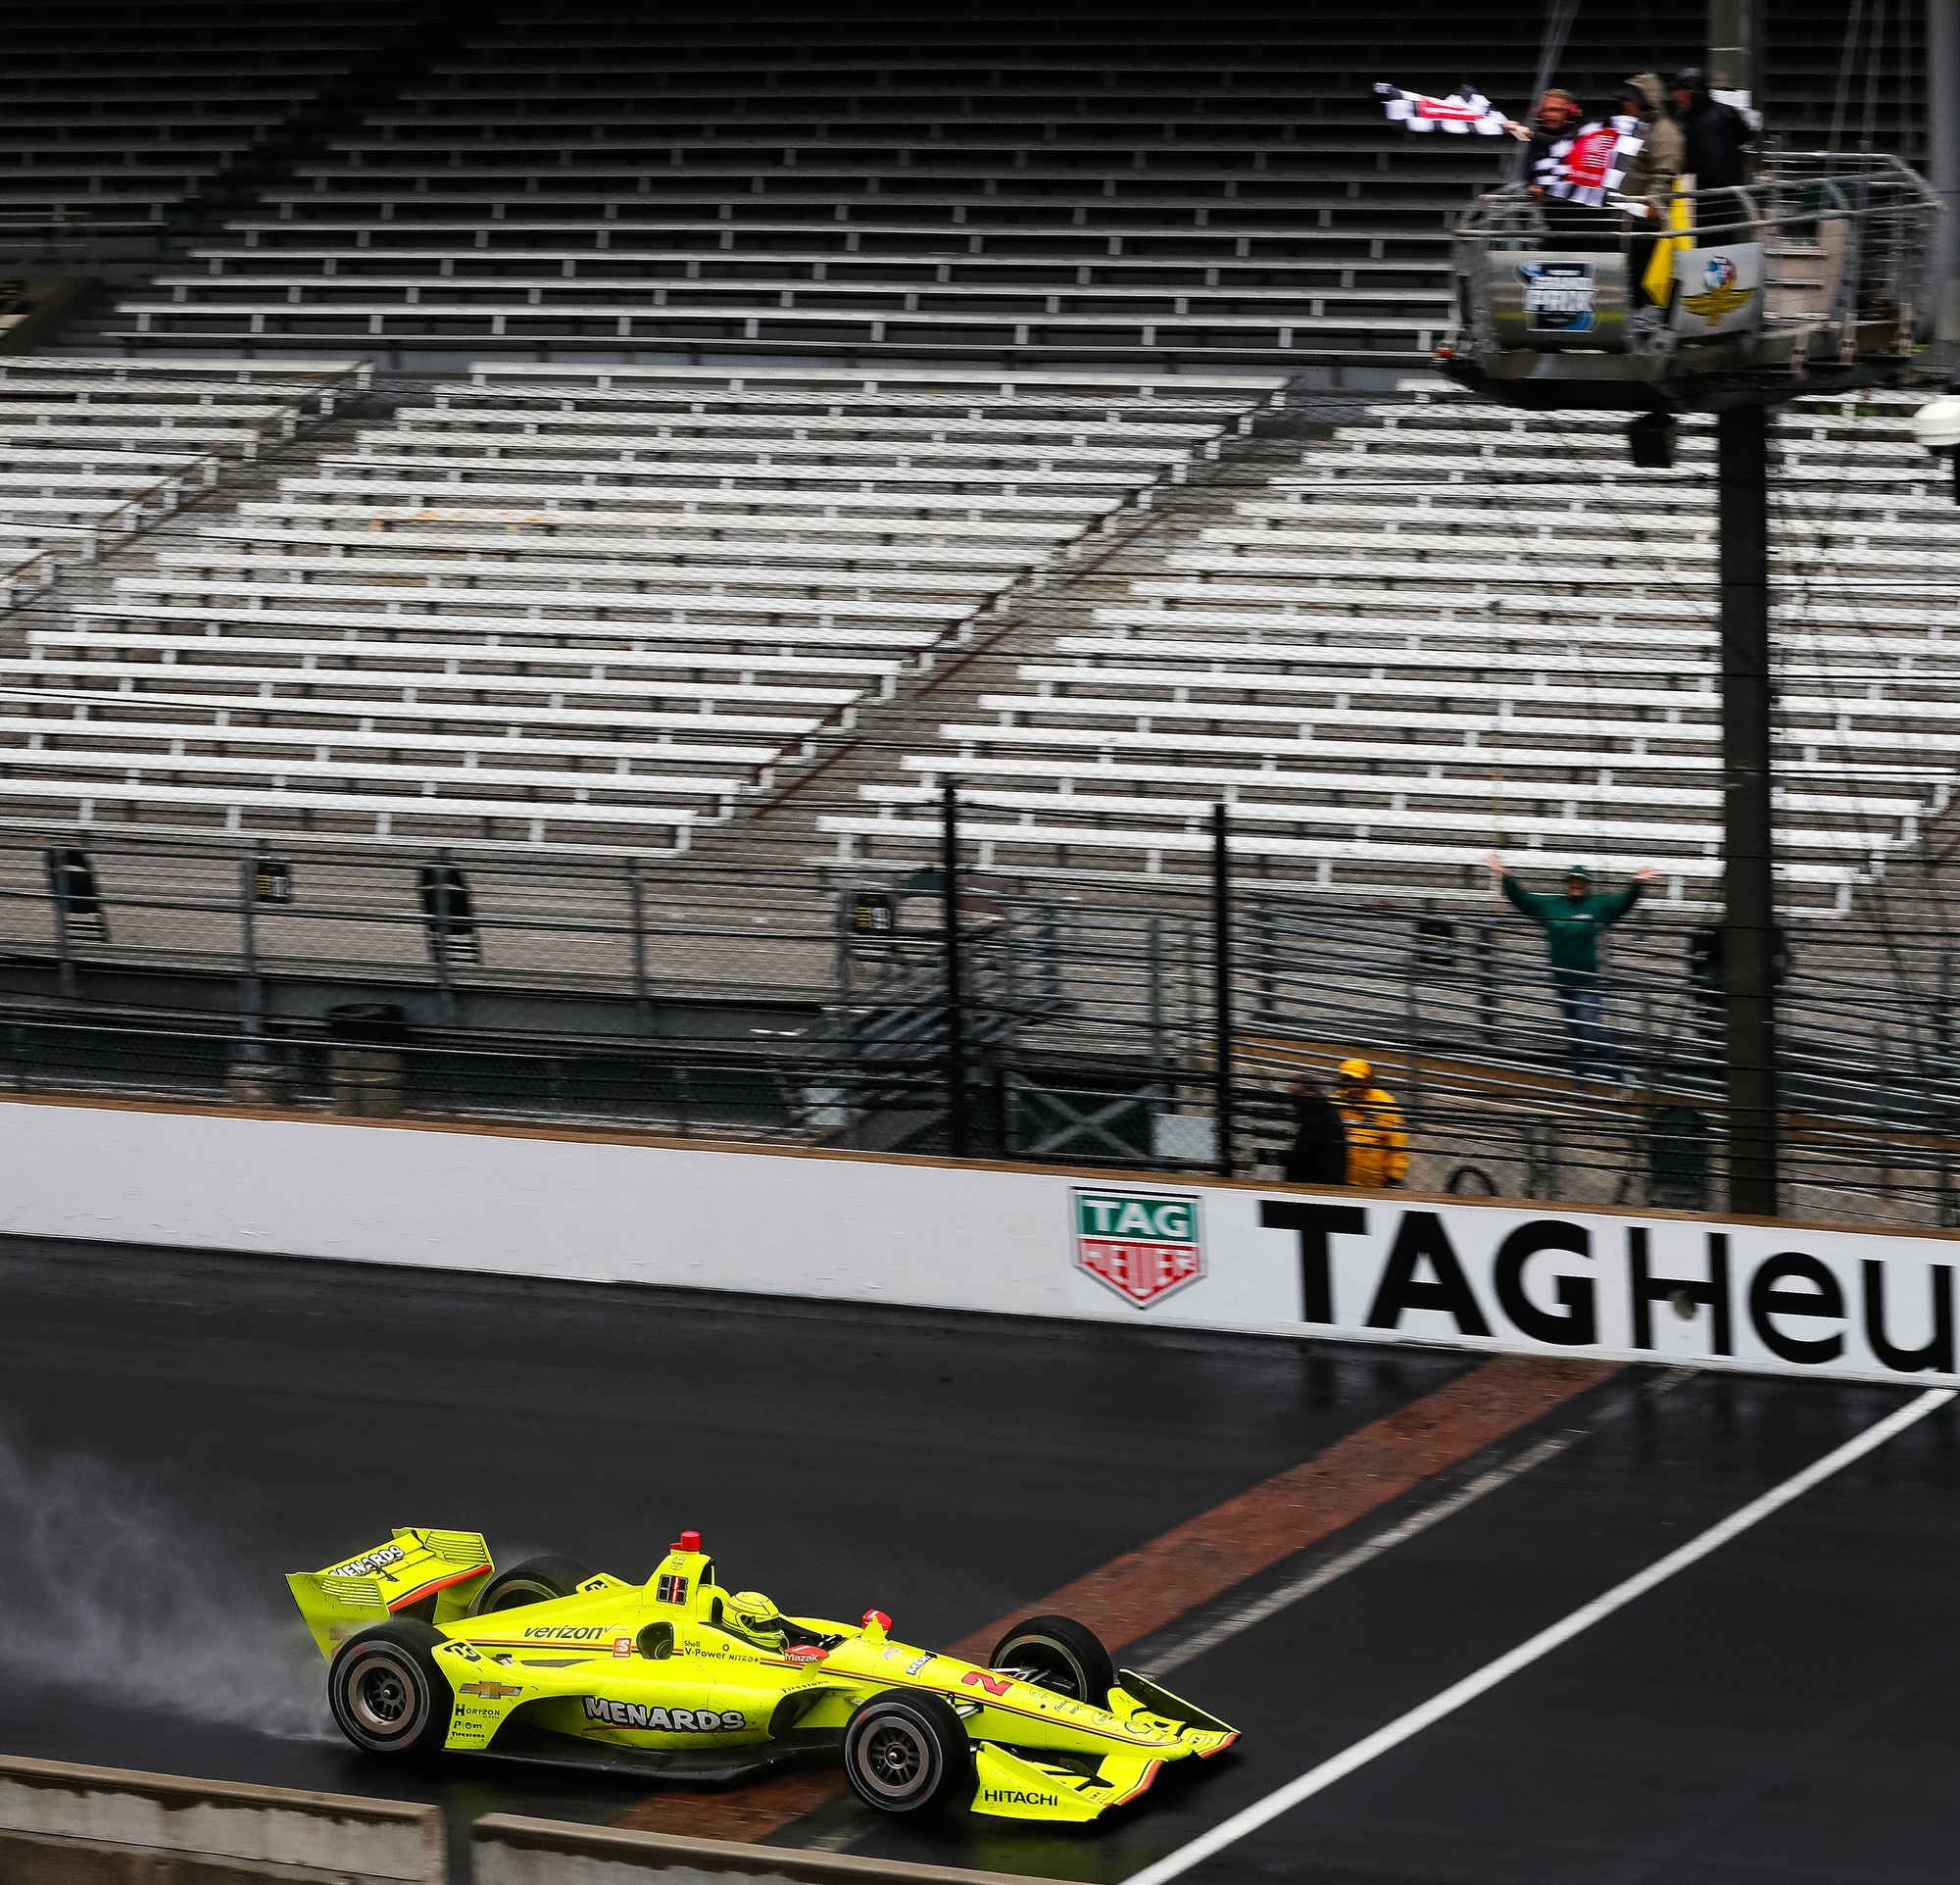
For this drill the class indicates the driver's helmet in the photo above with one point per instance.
(754, 1615)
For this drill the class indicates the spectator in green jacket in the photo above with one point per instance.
(1573, 923)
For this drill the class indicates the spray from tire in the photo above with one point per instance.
(114, 1590)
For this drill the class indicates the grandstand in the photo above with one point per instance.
(574, 436)
(1005, 188)
(1287, 654)
(124, 121)
(96, 453)
(575, 608)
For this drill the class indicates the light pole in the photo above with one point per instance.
(1748, 880)
(1748, 877)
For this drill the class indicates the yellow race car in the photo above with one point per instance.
(430, 1647)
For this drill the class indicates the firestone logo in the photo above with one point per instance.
(1144, 1245)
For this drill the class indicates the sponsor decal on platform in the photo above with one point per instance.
(1144, 1245)
(1721, 293)
(1719, 289)
(1558, 296)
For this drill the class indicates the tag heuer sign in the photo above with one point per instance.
(1142, 1244)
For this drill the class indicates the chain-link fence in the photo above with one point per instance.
(1094, 1024)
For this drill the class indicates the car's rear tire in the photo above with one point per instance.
(1060, 1654)
(386, 1694)
(537, 1580)
(908, 1752)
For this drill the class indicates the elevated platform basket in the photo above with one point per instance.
(1804, 281)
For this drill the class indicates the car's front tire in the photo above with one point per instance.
(1060, 1654)
(537, 1580)
(906, 1753)
(386, 1694)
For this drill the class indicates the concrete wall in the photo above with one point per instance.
(1389, 1268)
(70, 1825)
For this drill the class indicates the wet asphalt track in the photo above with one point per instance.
(183, 1430)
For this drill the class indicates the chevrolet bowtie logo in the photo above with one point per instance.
(491, 1690)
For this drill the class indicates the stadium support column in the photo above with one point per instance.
(957, 1133)
(1732, 44)
(1942, 92)
(1749, 938)
(1225, 1100)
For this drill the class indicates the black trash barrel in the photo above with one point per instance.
(364, 1061)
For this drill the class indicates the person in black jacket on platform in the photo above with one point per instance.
(1318, 1155)
(1716, 139)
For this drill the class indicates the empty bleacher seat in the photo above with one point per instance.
(1447, 627)
(584, 610)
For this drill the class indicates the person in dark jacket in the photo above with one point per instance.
(1715, 138)
(1650, 177)
(1573, 924)
(1318, 1155)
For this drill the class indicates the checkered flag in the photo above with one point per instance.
(1463, 111)
(1590, 164)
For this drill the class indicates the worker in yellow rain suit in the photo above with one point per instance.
(1377, 1139)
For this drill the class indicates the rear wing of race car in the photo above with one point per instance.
(432, 1575)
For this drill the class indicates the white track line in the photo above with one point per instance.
(1249, 1615)
(1405, 1727)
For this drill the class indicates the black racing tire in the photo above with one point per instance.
(537, 1580)
(906, 1752)
(1060, 1654)
(386, 1694)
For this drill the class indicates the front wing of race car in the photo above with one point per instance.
(1024, 1785)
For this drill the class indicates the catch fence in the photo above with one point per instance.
(1158, 1029)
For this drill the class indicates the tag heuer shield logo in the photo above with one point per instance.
(1144, 1245)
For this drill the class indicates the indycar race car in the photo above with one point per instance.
(430, 1647)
